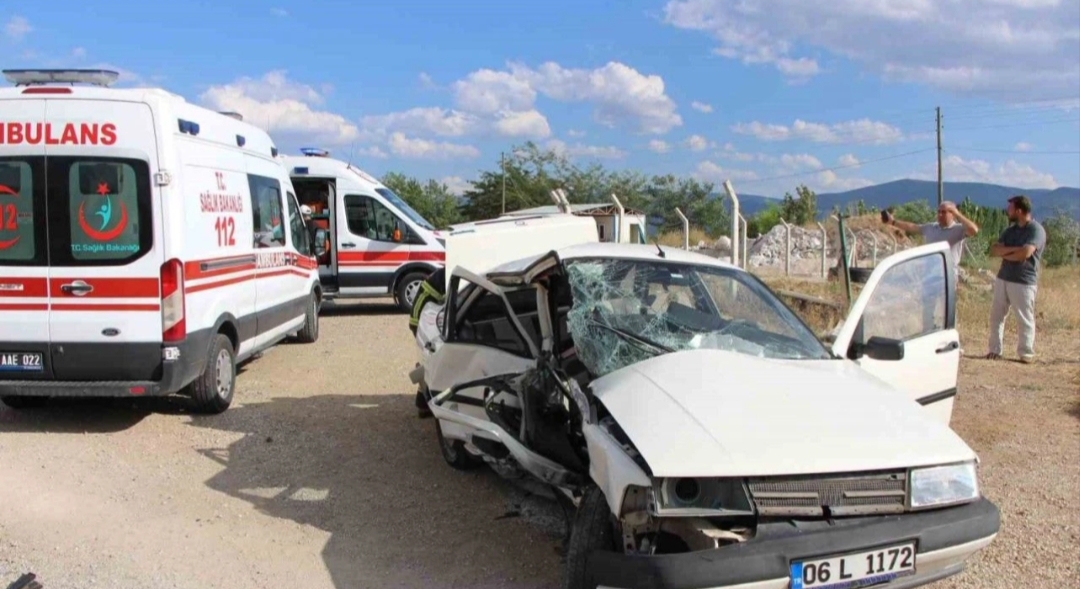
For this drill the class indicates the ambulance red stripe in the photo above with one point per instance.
(98, 308)
(109, 288)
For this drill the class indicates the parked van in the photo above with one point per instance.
(371, 243)
(147, 245)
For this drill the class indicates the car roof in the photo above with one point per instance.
(318, 167)
(609, 250)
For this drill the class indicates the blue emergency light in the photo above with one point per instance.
(314, 152)
(299, 171)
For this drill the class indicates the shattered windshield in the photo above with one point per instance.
(625, 311)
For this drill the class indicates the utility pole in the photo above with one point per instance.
(502, 166)
(940, 183)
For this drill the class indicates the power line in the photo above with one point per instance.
(841, 167)
(1015, 151)
(1024, 124)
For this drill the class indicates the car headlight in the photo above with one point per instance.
(938, 486)
(690, 496)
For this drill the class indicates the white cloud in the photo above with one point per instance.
(619, 93)
(575, 133)
(78, 53)
(585, 151)
(283, 107)
(1013, 49)
(849, 159)
(701, 107)
(1023, 146)
(413, 148)
(426, 81)
(457, 185)
(529, 123)
(711, 172)
(373, 151)
(428, 120)
(659, 146)
(827, 179)
(281, 12)
(17, 28)
(800, 161)
(488, 92)
(858, 131)
(697, 143)
(1009, 173)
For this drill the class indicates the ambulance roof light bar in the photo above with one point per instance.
(314, 152)
(103, 78)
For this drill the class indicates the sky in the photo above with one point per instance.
(767, 93)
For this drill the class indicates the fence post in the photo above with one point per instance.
(787, 247)
(824, 251)
(743, 249)
(734, 221)
(686, 229)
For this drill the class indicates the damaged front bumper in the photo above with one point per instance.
(944, 540)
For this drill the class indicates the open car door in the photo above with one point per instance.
(902, 327)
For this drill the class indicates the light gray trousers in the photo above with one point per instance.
(1021, 298)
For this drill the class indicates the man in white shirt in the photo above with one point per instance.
(945, 229)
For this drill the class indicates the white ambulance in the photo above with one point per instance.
(147, 245)
(370, 242)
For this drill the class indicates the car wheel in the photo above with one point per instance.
(454, 452)
(408, 289)
(592, 530)
(212, 392)
(23, 402)
(310, 332)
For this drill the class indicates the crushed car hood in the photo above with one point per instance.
(719, 413)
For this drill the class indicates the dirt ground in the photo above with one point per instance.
(320, 475)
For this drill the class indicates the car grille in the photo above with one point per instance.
(831, 495)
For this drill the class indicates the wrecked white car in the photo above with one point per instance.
(704, 435)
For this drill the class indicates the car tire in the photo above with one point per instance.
(23, 402)
(407, 290)
(592, 530)
(454, 452)
(309, 334)
(212, 392)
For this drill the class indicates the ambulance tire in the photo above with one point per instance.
(212, 392)
(23, 402)
(409, 282)
(309, 333)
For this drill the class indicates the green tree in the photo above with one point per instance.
(916, 211)
(764, 220)
(433, 200)
(693, 198)
(801, 209)
(1062, 232)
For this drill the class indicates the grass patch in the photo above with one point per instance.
(675, 238)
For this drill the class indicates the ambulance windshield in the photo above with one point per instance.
(404, 207)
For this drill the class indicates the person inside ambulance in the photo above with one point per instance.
(319, 250)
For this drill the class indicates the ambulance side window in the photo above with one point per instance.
(369, 218)
(107, 218)
(21, 227)
(267, 219)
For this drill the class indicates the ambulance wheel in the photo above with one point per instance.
(213, 390)
(23, 402)
(454, 452)
(310, 332)
(408, 288)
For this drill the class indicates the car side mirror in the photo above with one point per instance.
(879, 348)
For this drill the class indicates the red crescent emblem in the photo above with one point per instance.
(7, 190)
(103, 235)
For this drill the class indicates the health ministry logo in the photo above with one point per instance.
(105, 212)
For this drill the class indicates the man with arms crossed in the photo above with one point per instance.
(1020, 248)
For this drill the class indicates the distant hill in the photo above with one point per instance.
(1045, 202)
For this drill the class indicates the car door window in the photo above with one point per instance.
(486, 322)
(266, 211)
(22, 227)
(367, 217)
(908, 302)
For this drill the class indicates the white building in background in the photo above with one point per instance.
(631, 230)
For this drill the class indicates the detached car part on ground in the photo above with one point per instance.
(706, 437)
